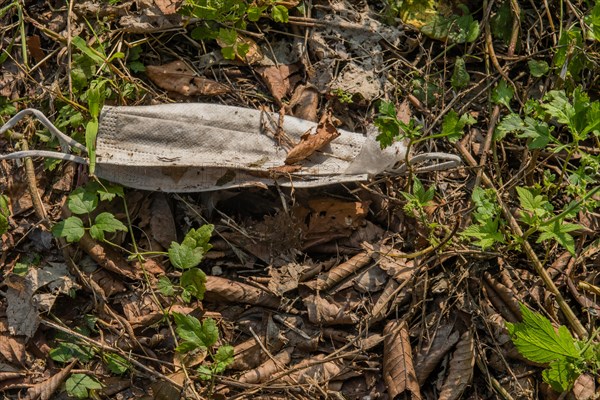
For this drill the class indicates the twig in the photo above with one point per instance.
(516, 230)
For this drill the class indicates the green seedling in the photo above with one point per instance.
(487, 227)
(566, 358)
(203, 336)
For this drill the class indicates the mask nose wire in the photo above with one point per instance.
(451, 161)
(65, 141)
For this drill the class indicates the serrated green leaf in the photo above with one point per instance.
(199, 237)
(184, 257)
(136, 66)
(503, 94)
(486, 233)
(279, 13)
(538, 68)
(535, 203)
(460, 77)
(193, 334)
(165, 286)
(204, 372)
(453, 126)
(536, 339)
(559, 231)
(71, 229)
(107, 222)
(80, 385)
(194, 281)
(560, 375)
(81, 201)
(223, 357)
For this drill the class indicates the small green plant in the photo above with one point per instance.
(203, 336)
(488, 226)
(343, 96)
(222, 19)
(566, 358)
(185, 257)
(83, 201)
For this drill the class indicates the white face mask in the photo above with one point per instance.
(194, 147)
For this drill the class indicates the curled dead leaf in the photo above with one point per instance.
(430, 357)
(222, 289)
(309, 143)
(264, 371)
(398, 370)
(325, 312)
(45, 389)
(177, 77)
(340, 272)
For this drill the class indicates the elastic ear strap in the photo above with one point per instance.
(64, 140)
(43, 153)
(451, 161)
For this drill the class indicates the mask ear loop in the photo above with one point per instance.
(452, 161)
(65, 141)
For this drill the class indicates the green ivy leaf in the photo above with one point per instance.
(194, 281)
(82, 201)
(71, 229)
(80, 385)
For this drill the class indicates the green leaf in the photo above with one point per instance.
(71, 229)
(536, 339)
(108, 192)
(136, 66)
(453, 126)
(503, 94)
(228, 53)
(91, 131)
(559, 231)
(460, 76)
(199, 237)
(195, 335)
(533, 202)
(254, 12)
(593, 20)
(3, 224)
(204, 372)
(185, 257)
(486, 233)
(194, 281)
(561, 375)
(66, 351)
(165, 286)
(80, 385)
(82, 202)
(88, 51)
(106, 222)
(116, 363)
(279, 13)
(502, 21)
(538, 68)
(223, 358)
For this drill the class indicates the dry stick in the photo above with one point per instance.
(539, 268)
(40, 211)
(487, 144)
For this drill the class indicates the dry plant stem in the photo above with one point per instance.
(539, 268)
(487, 144)
(515, 28)
(495, 384)
(104, 347)
(40, 211)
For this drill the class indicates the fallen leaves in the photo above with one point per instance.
(177, 77)
(309, 143)
(398, 370)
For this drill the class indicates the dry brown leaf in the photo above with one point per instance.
(430, 357)
(309, 143)
(584, 387)
(393, 294)
(168, 6)
(403, 112)
(305, 102)
(324, 312)
(312, 370)
(503, 299)
(162, 224)
(107, 282)
(264, 371)
(460, 372)
(44, 390)
(221, 289)
(108, 258)
(340, 272)
(12, 347)
(398, 371)
(177, 77)
(277, 79)
(34, 45)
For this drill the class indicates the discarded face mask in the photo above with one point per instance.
(193, 147)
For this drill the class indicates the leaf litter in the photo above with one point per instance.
(339, 292)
